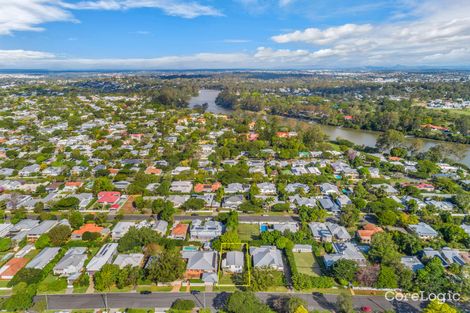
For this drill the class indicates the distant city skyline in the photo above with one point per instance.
(231, 34)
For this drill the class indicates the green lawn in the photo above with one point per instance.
(154, 288)
(248, 232)
(306, 263)
(52, 284)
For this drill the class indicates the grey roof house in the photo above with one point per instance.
(267, 256)
(43, 258)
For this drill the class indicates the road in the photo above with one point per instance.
(212, 300)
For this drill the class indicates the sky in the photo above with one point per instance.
(225, 34)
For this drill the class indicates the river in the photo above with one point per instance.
(359, 137)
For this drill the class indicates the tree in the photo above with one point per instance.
(43, 241)
(76, 219)
(350, 216)
(264, 277)
(344, 303)
(193, 204)
(387, 278)
(106, 277)
(247, 302)
(383, 249)
(22, 298)
(344, 270)
(5, 244)
(59, 234)
(435, 306)
(390, 139)
(102, 184)
(29, 276)
(183, 305)
(167, 267)
(67, 203)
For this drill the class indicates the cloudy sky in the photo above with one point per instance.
(192, 34)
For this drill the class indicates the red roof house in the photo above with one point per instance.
(109, 197)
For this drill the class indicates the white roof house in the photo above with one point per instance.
(72, 262)
(132, 259)
(347, 251)
(43, 258)
(328, 231)
(423, 230)
(104, 256)
(233, 262)
(181, 186)
(121, 229)
(5, 229)
(205, 230)
(267, 256)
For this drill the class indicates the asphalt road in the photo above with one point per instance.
(212, 300)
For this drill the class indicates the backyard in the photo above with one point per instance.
(248, 232)
(306, 263)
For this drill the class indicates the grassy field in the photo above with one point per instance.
(247, 232)
(306, 263)
(52, 285)
(154, 288)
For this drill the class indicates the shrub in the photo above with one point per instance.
(183, 305)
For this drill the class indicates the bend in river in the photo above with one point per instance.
(359, 137)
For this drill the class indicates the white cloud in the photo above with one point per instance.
(28, 15)
(434, 36)
(170, 7)
(318, 36)
(24, 55)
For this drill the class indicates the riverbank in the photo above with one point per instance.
(357, 136)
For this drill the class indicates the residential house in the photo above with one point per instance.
(267, 256)
(327, 188)
(327, 232)
(267, 188)
(328, 204)
(13, 266)
(423, 231)
(386, 188)
(343, 200)
(233, 262)
(5, 229)
(71, 263)
(43, 258)
(44, 227)
(108, 197)
(232, 202)
(236, 188)
(293, 227)
(365, 234)
(346, 251)
(132, 259)
(299, 248)
(89, 228)
(104, 256)
(181, 186)
(121, 229)
(179, 231)
(294, 187)
(29, 170)
(412, 262)
(160, 227)
(200, 262)
(205, 231)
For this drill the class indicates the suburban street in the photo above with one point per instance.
(212, 300)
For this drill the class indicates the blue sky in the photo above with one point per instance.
(179, 34)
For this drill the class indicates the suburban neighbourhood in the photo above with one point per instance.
(105, 194)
